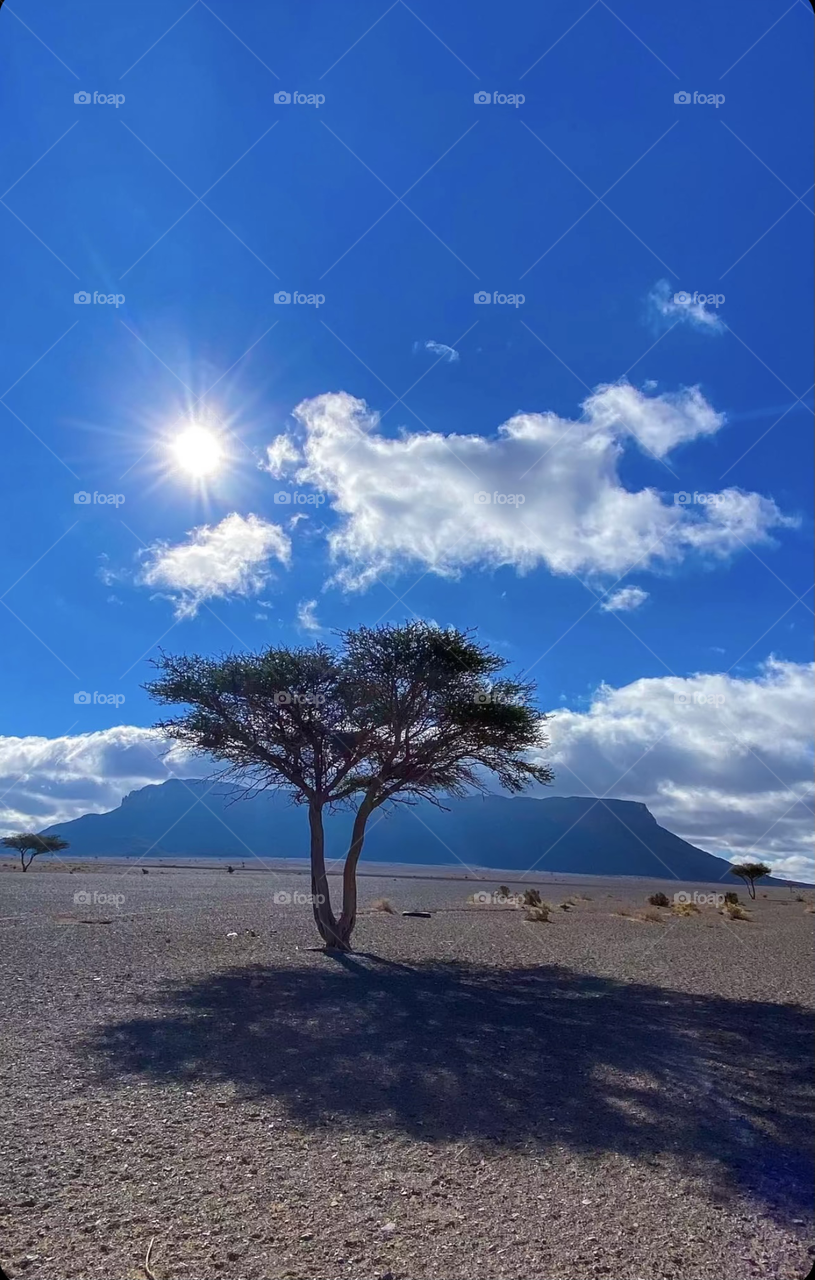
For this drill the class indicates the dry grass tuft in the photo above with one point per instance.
(686, 909)
(384, 904)
(539, 913)
(651, 915)
(734, 911)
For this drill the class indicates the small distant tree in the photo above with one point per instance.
(750, 872)
(396, 714)
(29, 845)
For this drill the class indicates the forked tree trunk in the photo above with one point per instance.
(348, 916)
(320, 897)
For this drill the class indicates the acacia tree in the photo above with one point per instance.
(436, 722)
(31, 844)
(396, 714)
(750, 872)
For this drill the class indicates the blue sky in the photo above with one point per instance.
(198, 197)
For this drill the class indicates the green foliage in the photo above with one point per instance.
(750, 872)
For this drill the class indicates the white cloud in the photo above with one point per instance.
(227, 559)
(670, 305)
(413, 500)
(47, 780)
(279, 455)
(449, 354)
(723, 761)
(307, 616)
(624, 600)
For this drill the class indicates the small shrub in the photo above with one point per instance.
(731, 897)
(503, 891)
(659, 900)
(799, 897)
(734, 911)
(686, 909)
(539, 912)
(383, 904)
(532, 898)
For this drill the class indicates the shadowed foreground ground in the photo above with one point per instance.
(542, 1056)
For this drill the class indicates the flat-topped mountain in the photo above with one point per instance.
(574, 834)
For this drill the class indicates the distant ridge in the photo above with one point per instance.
(574, 834)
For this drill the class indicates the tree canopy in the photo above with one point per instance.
(394, 714)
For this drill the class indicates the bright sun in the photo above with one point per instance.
(197, 451)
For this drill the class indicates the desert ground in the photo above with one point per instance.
(192, 1089)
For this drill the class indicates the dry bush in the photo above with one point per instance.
(734, 911)
(686, 909)
(731, 896)
(540, 912)
(532, 898)
(809, 910)
(659, 900)
(383, 904)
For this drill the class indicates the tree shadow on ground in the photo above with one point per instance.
(527, 1057)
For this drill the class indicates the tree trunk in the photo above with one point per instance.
(320, 897)
(751, 889)
(348, 916)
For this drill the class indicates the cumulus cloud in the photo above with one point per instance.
(723, 761)
(624, 600)
(227, 559)
(687, 308)
(449, 354)
(545, 491)
(47, 780)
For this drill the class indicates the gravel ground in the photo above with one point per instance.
(470, 1096)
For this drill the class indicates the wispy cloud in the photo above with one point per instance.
(307, 617)
(624, 600)
(685, 308)
(449, 354)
